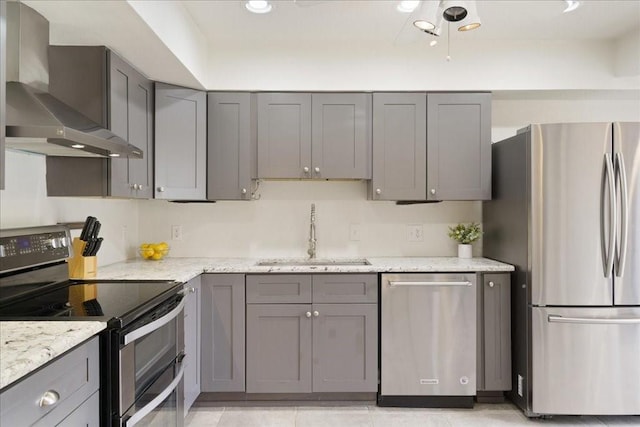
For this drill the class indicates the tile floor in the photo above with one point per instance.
(363, 415)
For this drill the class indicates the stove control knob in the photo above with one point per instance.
(54, 243)
(2, 252)
(64, 242)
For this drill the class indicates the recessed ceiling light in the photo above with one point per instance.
(571, 6)
(407, 6)
(258, 6)
(77, 146)
(114, 155)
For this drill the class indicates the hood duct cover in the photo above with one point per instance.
(37, 121)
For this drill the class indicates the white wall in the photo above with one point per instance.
(24, 203)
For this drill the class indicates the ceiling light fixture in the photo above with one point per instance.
(464, 15)
(571, 5)
(472, 20)
(258, 6)
(429, 18)
(408, 6)
(78, 146)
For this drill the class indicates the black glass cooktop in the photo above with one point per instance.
(42, 295)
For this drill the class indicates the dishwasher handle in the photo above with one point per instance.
(394, 283)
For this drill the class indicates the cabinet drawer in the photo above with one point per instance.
(73, 377)
(278, 288)
(345, 288)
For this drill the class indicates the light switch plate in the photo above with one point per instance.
(176, 232)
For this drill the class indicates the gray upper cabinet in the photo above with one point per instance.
(3, 78)
(284, 135)
(494, 332)
(192, 332)
(231, 136)
(399, 146)
(223, 333)
(341, 135)
(180, 143)
(102, 86)
(459, 146)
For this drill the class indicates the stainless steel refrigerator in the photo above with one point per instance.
(566, 212)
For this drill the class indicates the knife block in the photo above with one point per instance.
(82, 267)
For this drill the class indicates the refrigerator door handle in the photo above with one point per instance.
(610, 181)
(594, 320)
(621, 181)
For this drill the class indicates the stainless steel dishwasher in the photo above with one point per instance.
(428, 340)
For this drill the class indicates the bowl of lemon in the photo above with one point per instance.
(153, 251)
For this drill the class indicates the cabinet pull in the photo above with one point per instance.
(317, 169)
(378, 191)
(160, 189)
(406, 283)
(305, 169)
(491, 284)
(50, 397)
(433, 191)
(316, 314)
(244, 191)
(308, 314)
(192, 290)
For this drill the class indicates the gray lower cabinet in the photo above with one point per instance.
(231, 145)
(341, 135)
(108, 90)
(74, 378)
(399, 146)
(494, 332)
(223, 333)
(459, 146)
(312, 333)
(192, 342)
(180, 143)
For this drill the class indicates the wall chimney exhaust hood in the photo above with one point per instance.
(36, 121)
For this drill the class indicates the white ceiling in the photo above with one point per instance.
(318, 22)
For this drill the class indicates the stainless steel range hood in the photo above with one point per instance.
(36, 121)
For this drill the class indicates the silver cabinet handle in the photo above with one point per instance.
(140, 187)
(403, 283)
(243, 191)
(433, 191)
(308, 314)
(192, 290)
(594, 320)
(316, 314)
(133, 186)
(160, 189)
(317, 169)
(156, 324)
(612, 216)
(491, 284)
(621, 178)
(305, 169)
(50, 397)
(378, 191)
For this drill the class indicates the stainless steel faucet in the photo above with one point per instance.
(312, 233)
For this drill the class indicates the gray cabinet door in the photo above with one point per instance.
(278, 288)
(495, 344)
(85, 415)
(284, 135)
(131, 117)
(341, 135)
(345, 288)
(192, 342)
(229, 148)
(223, 332)
(3, 78)
(399, 146)
(279, 348)
(459, 146)
(345, 347)
(180, 143)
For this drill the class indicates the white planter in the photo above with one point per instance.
(464, 251)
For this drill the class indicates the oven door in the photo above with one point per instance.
(150, 387)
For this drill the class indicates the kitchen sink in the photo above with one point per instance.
(311, 262)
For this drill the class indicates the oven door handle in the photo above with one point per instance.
(139, 415)
(156, 324)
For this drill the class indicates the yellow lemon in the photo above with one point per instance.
(156, 255)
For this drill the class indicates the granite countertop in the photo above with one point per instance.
(185, 269)
(26, 346)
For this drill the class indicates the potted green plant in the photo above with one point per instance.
(465, 235)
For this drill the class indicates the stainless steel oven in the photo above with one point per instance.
(141, 350)
(147, 367)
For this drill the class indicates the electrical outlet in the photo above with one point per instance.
(415, 233)
(355, 232)
(176, 232)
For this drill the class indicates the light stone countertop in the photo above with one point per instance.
(185, 269)
(28, 345)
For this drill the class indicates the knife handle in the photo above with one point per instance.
(96, 248)
(96, 230)
(85, 228)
